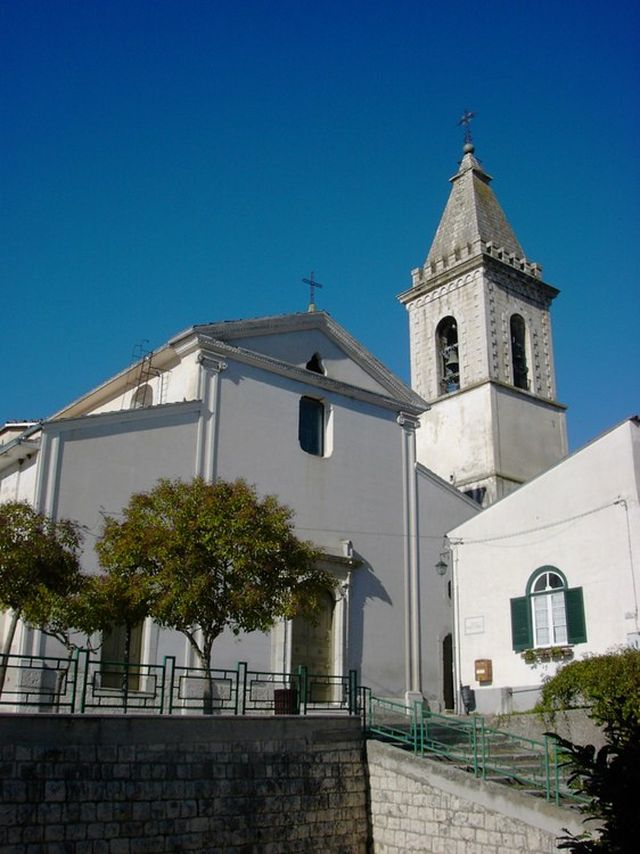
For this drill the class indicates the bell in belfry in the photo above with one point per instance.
(451, 363)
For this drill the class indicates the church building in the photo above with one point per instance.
(378, 473)
(294, 405)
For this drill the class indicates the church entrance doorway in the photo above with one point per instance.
(312, 645)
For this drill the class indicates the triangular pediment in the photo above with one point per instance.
(295, 339)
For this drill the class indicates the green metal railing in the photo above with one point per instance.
(32, 680)
(488, 753)
(84, 683)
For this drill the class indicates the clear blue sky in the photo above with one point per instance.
(170, 162)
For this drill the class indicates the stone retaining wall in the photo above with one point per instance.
(418, 804)
(574, 725)
(128, 785)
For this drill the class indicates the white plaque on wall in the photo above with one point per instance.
(474, 625)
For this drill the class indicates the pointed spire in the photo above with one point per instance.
(473, 222)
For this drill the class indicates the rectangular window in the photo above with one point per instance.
(541, 620)
(559, 616)
(311, 426)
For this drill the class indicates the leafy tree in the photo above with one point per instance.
(91, 604)
(609, 685)
(64, 615)
(210, 556)
(38, 558)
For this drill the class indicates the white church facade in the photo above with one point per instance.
(295, 406)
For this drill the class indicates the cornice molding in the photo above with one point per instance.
(210, 364)
(143, 413)
(318, 320)
(408, 421)
(413, 403)
(502, 386)
(534, 287)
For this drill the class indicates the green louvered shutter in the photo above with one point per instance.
(521, 633)
(576, 625)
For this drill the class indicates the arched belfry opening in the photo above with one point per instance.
(448, 355)
(315, 364)
(518, 331)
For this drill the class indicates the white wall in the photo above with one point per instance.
(96, 464)
(354, 493)
(582, 517)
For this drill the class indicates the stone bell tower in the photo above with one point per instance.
(481, 349)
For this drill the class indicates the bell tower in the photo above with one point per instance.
(481, 348)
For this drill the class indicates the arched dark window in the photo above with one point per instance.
(315, 364)
(448, 360)
(519, 352)
(311, 426)
(143, 396)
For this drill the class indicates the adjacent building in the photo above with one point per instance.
(550, 573)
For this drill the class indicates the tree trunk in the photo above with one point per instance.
(6, 647)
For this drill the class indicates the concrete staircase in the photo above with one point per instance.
(533, 767)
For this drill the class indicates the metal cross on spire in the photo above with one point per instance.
(312, 286)
(465, 121)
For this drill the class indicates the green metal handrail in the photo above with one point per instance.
(482, 750)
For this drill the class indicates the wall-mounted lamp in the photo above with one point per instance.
(442, 566)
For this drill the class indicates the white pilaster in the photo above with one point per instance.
(413, 644)
(208, 393)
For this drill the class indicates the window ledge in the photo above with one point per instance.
(542, 654)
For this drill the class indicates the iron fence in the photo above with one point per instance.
(85, 683)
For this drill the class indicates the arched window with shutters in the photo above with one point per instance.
(550, 614)
(448, 355)
(519, 351)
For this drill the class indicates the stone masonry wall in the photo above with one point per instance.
(128, 785)
(418, 804)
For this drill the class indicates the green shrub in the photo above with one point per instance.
(608, 685)
(609, 779)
